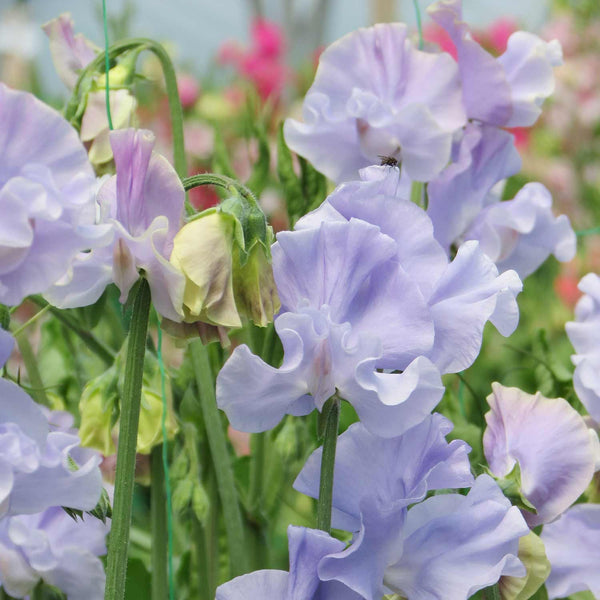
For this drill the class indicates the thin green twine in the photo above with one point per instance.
(165, 461)
(106, 65)
(419, 24)
(584, 232)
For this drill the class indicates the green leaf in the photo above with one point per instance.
(292, 188)
(221, 162)
(314, 185)
(260, 172)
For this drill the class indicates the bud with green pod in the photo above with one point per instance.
(224, 254)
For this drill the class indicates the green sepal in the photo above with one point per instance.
(101, 511)
(511, 488)
(292, 188)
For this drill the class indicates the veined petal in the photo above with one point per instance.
(556, 467)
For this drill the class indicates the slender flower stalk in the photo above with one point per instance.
(221, 459)
(158, 523)
(331, 415)
(116, 569)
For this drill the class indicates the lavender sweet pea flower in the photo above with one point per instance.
(584, 334)
(46, 184)
(307, 547)
(70, 52)
(556, 466)
(448, 546)
(510, 90)
(375, 94)
(517, 234)
(482, 156)
(398, 471)
(460, 296)
(52, 547)
(335, 283)
(521, 233)
(573, 549)
(36, 459)
(143, 204)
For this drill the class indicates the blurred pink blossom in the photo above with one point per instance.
(188, 90)
(262, 63)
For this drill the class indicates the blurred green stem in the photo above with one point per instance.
(221, 459)
(37, 390)
(158, 522)
(116, 569)
(332, 419)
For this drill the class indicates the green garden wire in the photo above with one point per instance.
(419, 24)
(106, 65)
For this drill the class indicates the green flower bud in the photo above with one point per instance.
(224, 254)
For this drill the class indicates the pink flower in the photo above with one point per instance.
(188, 90)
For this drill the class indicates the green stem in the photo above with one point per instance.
(257, 467)
(332, 417)
(495, 592)
(106, 65)
(116, 569)
(75, 108)
(201, 560)
(419, 24)
(222, 181)
(221, 459)
(95, 345)
(416, 193)
(212, 534)
(37, 390)
(158, 523)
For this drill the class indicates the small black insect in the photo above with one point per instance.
(387, 161)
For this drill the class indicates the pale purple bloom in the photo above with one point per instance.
(307, 547)
(375, 94)
(339, 325)
(46, 185)
(70, 52)
(573, 549)
(36, 458)
(516, 234)
(556, 452)
(364, 285)
(52, 547)
(460, 296)
(397, 471)
(482, 156)
(584, 334)
(510, 90)
(448, 546)
(143, 205)
(520, 234)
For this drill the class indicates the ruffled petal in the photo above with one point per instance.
(573, 549)
(469, 294)
(399, 470)
(455, 545)
(520, 234)
(484, 156)
(556, 467)
(370, 90)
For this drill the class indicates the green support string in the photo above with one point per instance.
(419, 24)
(107, 65)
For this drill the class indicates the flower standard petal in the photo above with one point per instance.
(555, 467)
